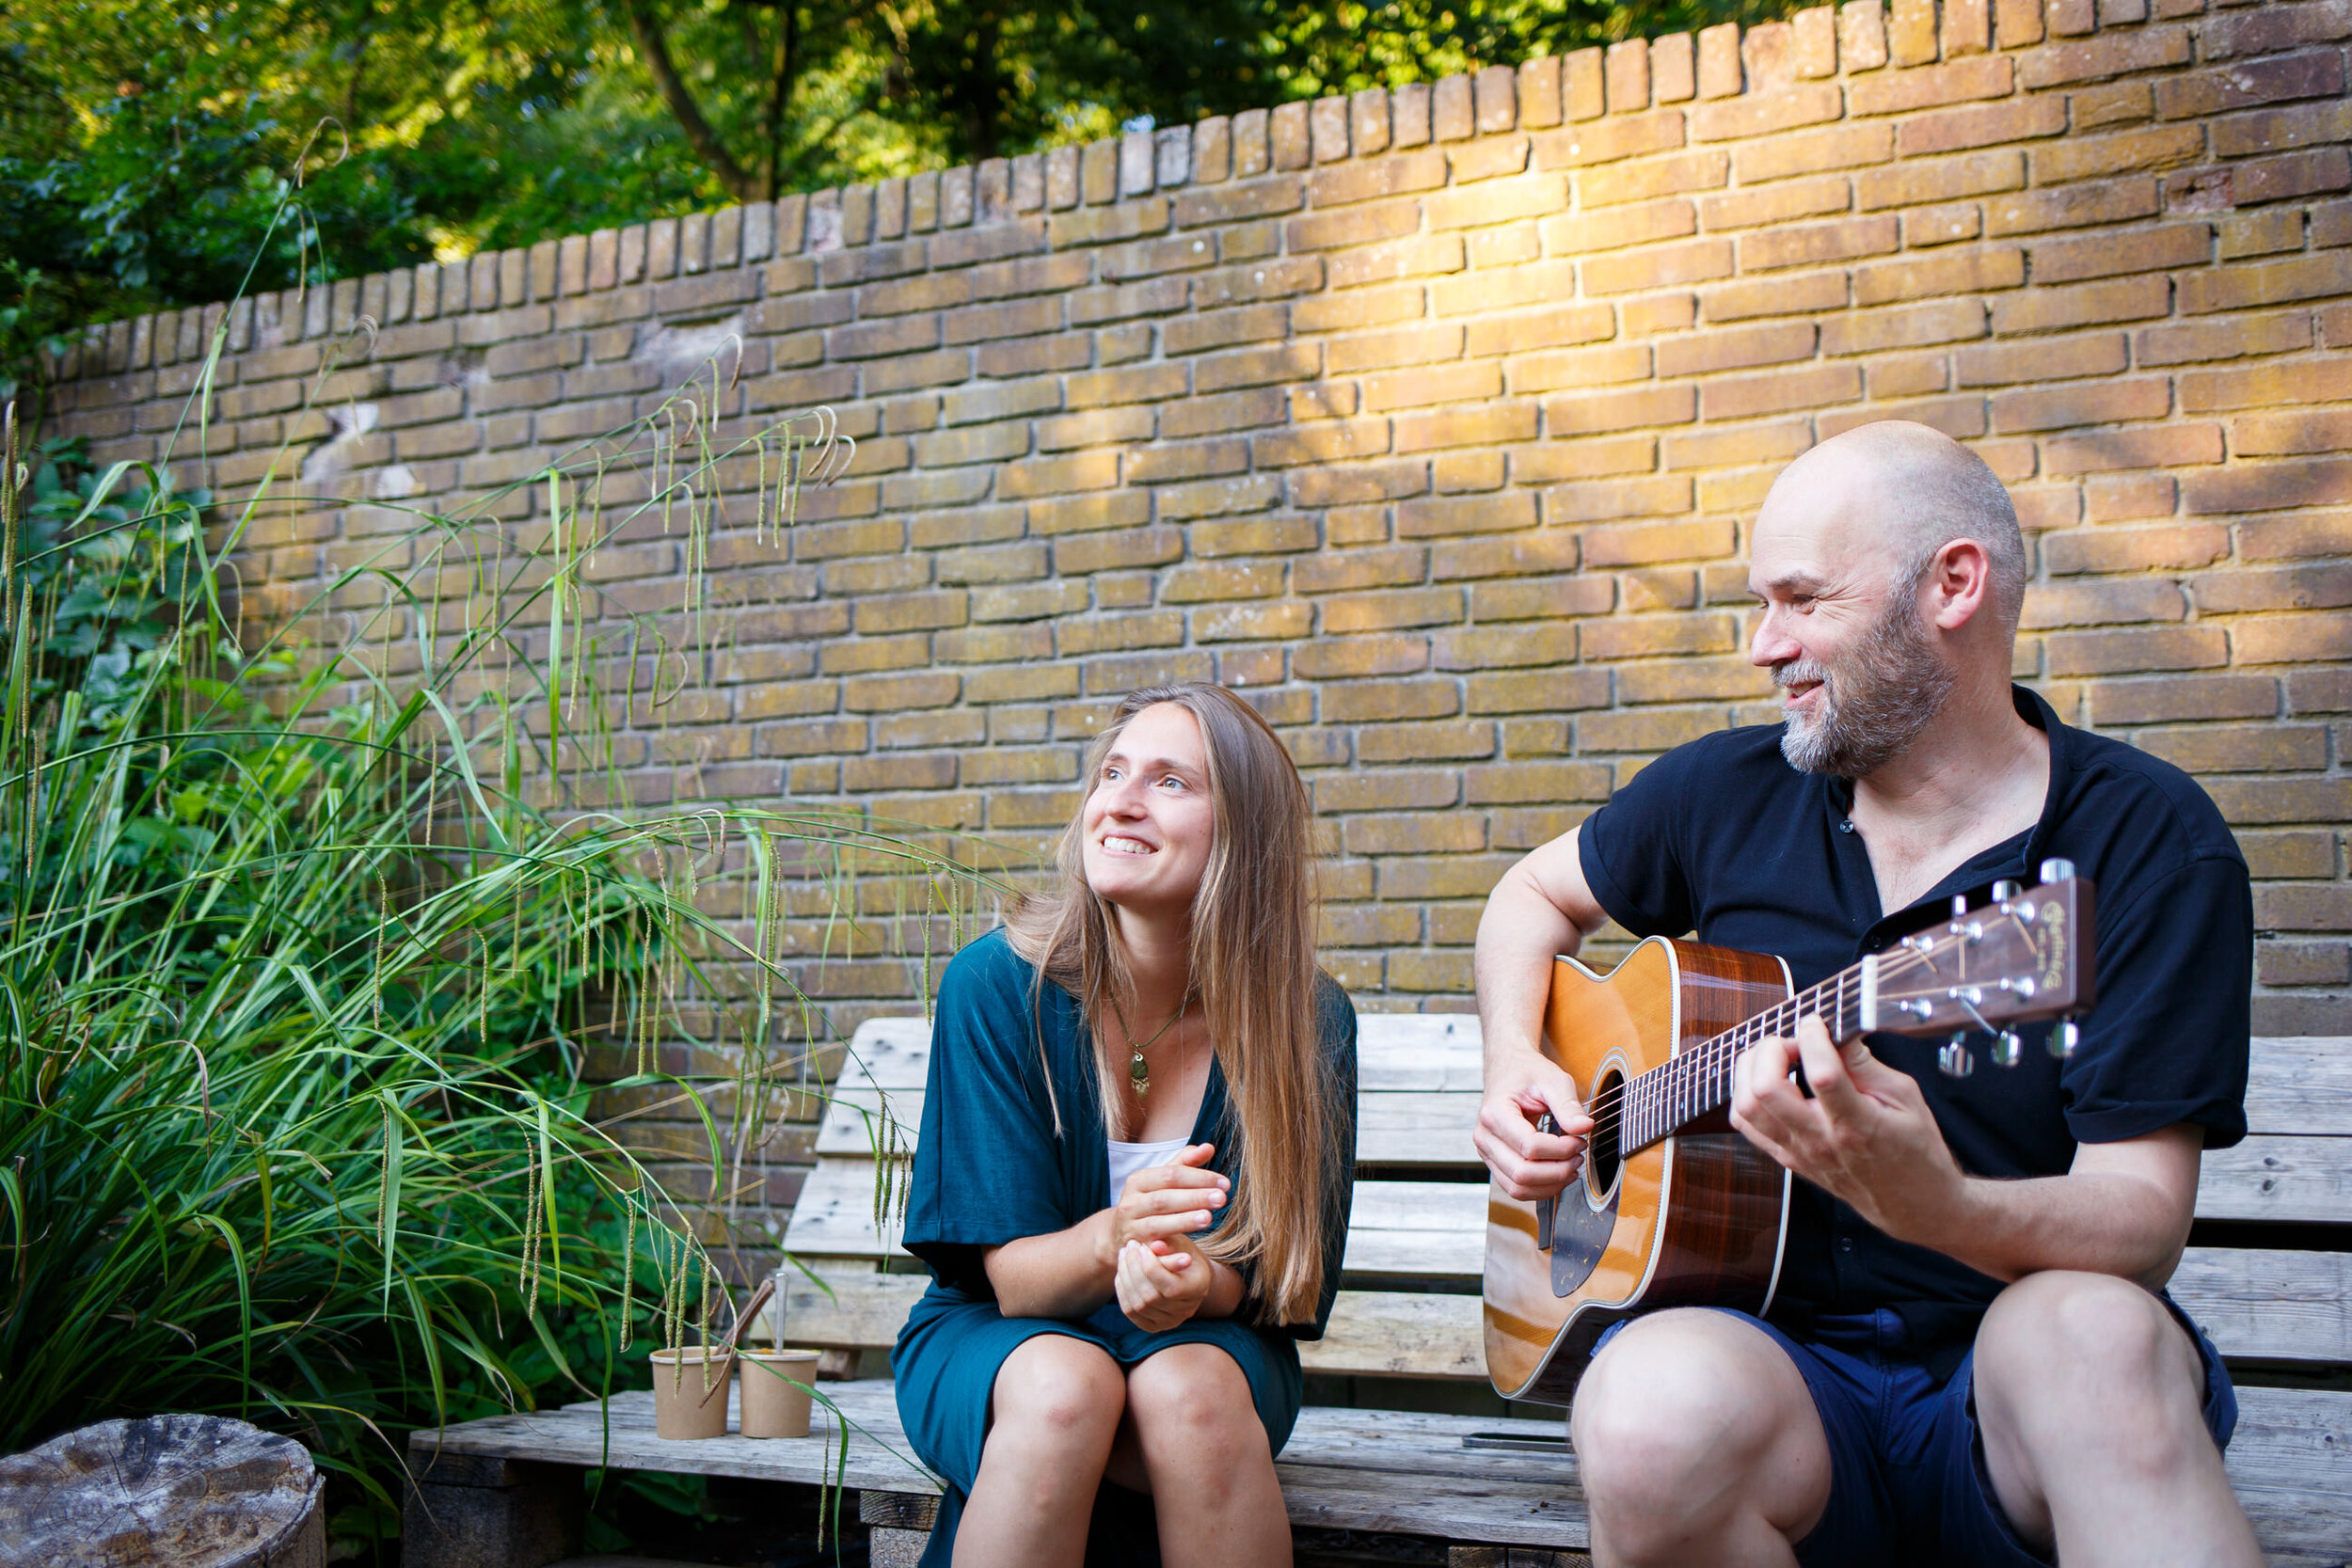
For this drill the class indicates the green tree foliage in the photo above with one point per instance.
(145, 147)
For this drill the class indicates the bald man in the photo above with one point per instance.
(1969, 1358)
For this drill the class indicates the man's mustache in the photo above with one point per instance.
(1798, 671)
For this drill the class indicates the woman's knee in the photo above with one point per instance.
(1195, 1394)
(1058, 1392)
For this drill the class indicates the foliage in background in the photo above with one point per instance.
(303, 941)
(144, 148)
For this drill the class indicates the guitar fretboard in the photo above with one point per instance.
(1697, 1081)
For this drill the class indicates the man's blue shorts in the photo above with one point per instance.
(1907, 1478)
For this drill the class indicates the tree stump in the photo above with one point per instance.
(187, 1491)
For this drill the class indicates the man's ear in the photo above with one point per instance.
(1958, 584)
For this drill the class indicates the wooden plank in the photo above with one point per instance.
(1422, 1228)
(1426, 1229)
(2301, 1084)
(1400, 1471)
(1393, 1127)
(2273, 1176)
(836, 1214)
(2287, 1464)
(895, 1053)
(2269, 1306)
(1400, 1334)
(1372, 1333)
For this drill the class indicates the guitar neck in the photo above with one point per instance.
(1697, 1082)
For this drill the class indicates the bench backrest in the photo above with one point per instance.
(1416, 1240)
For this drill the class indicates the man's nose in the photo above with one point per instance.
(1768, 644)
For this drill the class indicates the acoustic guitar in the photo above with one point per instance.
(1673, 1208)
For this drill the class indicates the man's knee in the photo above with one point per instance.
(1060, 1393)
(2089, 1354)
(1679, 1399)
(2052, 1335)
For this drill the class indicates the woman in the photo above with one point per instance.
(1132, 1185)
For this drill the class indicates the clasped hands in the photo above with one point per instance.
(1160, 1277)
(1864, 1134)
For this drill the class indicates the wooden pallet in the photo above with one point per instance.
(1412, 1311)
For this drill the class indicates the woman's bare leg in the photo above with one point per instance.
(1193, 1440)
(1056, 1407)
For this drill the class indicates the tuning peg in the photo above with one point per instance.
(1952, 1057)
(2007, 1048)
(2064, 1038)
(2004, 890)
(2056, 870)
(1960, 906)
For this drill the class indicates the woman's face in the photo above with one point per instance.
(1149, 819)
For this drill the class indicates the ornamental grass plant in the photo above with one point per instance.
(309, 927)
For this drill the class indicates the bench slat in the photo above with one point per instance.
(1370, 1334)
(1422, 1228)
(2266, 1305)
(2277, 1177)
(2300, 1083)
(1395, 1470)
(1393, 1127)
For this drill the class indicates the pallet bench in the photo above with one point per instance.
(2269, 1278)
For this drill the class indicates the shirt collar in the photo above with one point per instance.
(1978, 880)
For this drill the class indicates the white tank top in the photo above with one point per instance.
(1127, 1159)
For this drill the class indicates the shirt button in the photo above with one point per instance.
(1845, 1243)
(1847, 825)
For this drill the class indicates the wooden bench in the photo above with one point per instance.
(2269, 1277)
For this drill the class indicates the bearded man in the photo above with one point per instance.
(1969, 1358)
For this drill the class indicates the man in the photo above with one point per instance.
(1968, 1359)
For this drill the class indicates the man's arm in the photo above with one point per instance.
(1868, 1137)
(1542, 907)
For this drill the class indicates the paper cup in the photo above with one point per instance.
(679, 1410)
(775, 1392)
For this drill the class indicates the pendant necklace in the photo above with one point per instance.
(1139, 1071)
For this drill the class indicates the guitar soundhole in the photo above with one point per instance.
(1603, 1149)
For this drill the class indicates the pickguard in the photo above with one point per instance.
(1577, 1231)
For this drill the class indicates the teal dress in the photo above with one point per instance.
(990, 1169)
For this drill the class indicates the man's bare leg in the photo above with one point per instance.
(1193, 1440)
(1698, 1443)
(2089, 1396)
(1056, 1408)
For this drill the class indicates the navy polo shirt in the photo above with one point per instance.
(1723, 840)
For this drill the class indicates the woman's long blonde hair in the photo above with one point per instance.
(1253, 966)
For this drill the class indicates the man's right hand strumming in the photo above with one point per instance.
(1541, 910)
(1532, 1164)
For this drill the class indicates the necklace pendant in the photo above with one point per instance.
(1139, 1074)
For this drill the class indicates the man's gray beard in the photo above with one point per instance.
(1875, 699)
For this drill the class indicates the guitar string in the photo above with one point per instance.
(1679, 1073)
(1699, 1066)
(1672, 1091)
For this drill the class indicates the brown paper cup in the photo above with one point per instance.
(775, 1392)
(679, 1410)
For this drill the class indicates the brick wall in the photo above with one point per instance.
(1433, 418)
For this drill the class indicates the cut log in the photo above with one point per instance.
(186, 1491)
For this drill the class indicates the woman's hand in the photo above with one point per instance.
(1165, 1202)
(1161, 1290)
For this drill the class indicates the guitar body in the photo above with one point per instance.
(1695, 1219)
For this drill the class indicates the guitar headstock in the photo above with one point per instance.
(2022, 959)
